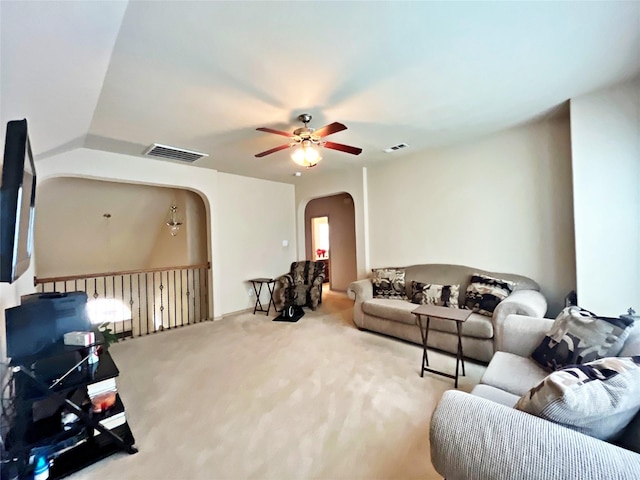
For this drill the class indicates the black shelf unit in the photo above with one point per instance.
(40, 399)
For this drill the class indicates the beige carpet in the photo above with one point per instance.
(245, 397)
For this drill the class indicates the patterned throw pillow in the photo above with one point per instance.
(578, 336)
(485, 293)
(433, 294)
(598, 398)
(388, 283)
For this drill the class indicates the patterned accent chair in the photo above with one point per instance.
(302, 286)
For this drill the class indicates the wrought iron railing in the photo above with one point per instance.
(139, 302)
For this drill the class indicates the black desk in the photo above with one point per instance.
(257, 287)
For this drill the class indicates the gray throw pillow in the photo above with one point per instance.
(578, 336)
(598, 398)
(484, 293)
(389, 283)
(433, 294)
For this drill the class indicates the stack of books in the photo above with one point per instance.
(107, 406)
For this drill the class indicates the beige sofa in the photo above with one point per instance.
(394, 317)
(481, 436)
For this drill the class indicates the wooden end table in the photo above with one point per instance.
(457, 315)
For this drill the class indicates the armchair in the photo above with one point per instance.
(302, 286)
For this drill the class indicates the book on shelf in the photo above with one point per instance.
(112, 422)
(108, 385)
(111, 418)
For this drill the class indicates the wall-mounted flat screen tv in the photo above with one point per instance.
(17, 202)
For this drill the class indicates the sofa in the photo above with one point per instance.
(480, 435)
(393, 317)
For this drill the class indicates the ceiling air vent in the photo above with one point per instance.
(165, 151)
(396, 147)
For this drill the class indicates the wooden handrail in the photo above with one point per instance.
(37, 281)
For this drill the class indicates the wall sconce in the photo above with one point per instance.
(173, 222)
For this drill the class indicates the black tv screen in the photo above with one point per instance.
(17, 202)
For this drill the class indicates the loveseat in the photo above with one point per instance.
(393, 316)
(480, 435)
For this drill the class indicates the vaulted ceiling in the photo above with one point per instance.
(119, 76)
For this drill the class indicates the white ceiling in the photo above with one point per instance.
(119, 76)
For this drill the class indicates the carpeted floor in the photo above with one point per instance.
(245, 397)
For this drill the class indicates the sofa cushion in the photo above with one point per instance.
(598, 398)
(389, 283)
(578, 336)
(477, 326)
(391, 309)
(485, 293)
(513, 373)
(434, 294)
(495, 395)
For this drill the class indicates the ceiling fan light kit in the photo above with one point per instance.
(305, 139)
(306, 155)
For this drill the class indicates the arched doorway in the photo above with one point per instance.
(335, 214)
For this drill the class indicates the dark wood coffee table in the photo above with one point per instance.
(428, 312)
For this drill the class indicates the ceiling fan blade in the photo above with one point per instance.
(277, 132)
(343, 148)
(273, 150)
(329, 129)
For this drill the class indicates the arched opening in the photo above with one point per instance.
(334, 220)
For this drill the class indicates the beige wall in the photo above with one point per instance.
(72, 235)
(605, 138)
(321, 184)
(342, 237)
(254, 218)
(503, 203)
(239, 215)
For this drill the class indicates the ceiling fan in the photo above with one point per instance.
(306, 138)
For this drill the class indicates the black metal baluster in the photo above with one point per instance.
(146, 298)
(131, 303)
(181, 300)
(161, 303)
(65, 287)
(188, 303)
(206, 293)
(139, 310)
(168, 301)
(195, 294)
(153, 276)
(175, 302)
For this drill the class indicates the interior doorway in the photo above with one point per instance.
(330, 236)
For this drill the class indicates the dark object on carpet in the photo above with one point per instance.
(290, 313)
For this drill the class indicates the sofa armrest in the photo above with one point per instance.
(522, 302)
(472, 437)
(279, 290)
(319, 280)
(521, 335)
(360, 291)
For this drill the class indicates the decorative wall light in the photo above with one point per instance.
(173, 222)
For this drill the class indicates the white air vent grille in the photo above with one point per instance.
(165, 151)
(396, 147)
